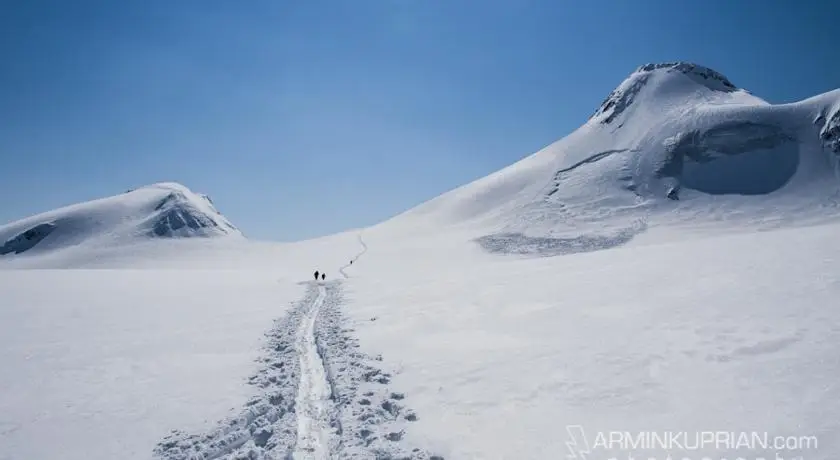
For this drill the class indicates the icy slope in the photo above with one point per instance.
(672, 141)
(161, 210)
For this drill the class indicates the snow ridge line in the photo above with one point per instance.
(354, 259)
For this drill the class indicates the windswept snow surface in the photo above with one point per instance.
(669, 267)
(733, 332)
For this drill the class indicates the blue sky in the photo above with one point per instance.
(304, 118)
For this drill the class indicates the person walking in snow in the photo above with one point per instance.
(323, 276)
(316, 275)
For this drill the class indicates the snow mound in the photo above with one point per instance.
(673, 143)
(163, 210)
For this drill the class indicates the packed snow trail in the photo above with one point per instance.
(314, 390)
(354, 259)
(319, 397)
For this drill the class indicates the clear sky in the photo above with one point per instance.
(304, 118)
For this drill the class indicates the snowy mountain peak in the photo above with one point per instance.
(675, 77)
(674, 143)
(710, 78)
(161, 210)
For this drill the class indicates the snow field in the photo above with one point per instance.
(123, 356)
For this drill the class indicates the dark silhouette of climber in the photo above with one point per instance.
(316, 275)
(323, 276)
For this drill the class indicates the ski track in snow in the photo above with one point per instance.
(312, 401)
(319, 397)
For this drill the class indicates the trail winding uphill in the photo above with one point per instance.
(354, 259)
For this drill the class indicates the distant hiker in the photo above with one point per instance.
(316, 275)
(323, 276)
(351, 262)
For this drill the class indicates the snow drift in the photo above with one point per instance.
(673, 140)
(164, 210)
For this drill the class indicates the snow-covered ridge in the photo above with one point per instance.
(162, 210)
